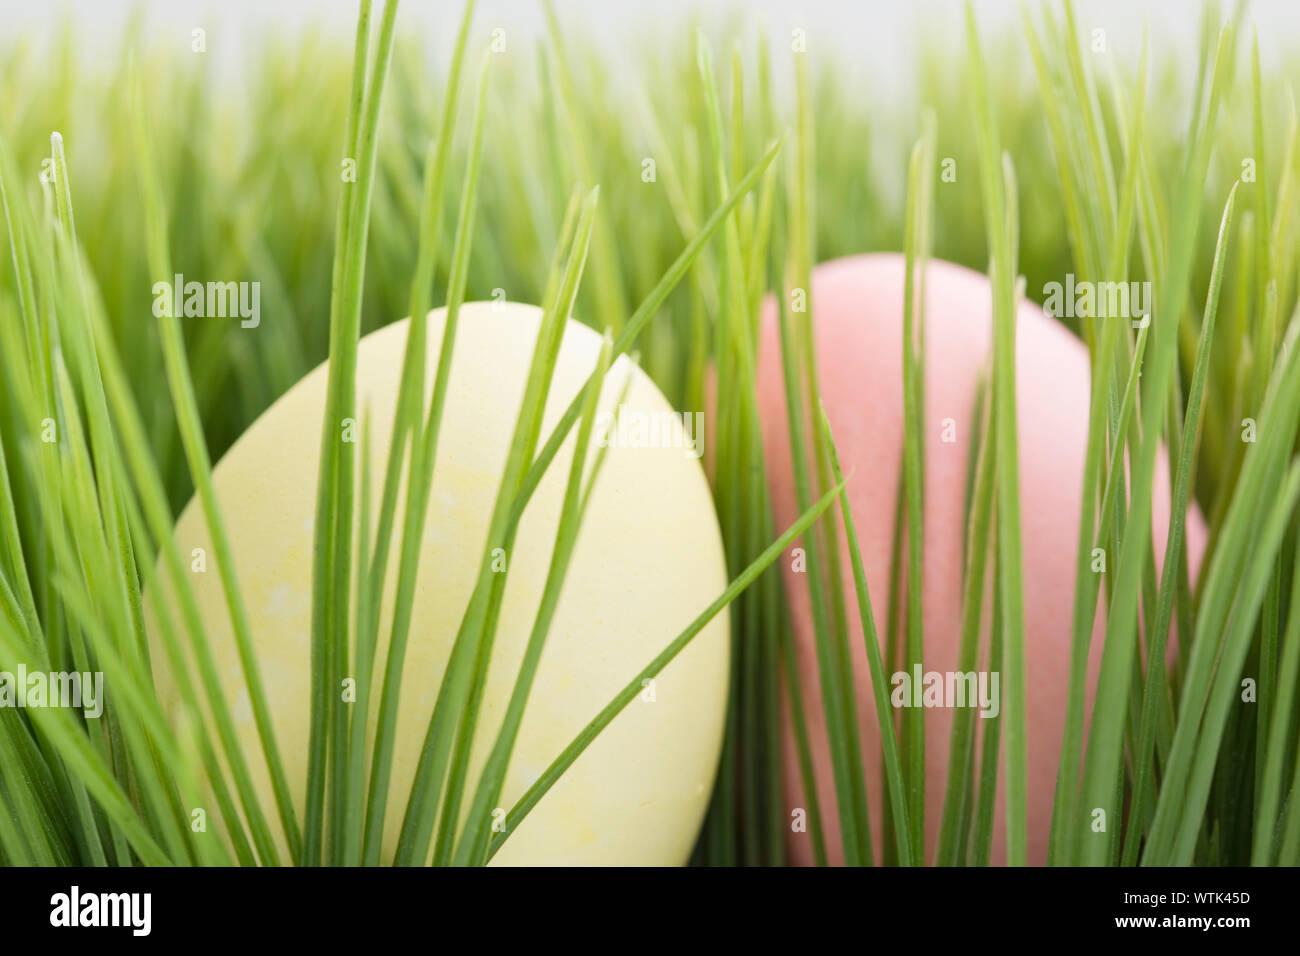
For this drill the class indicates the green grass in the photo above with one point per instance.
(527, 177)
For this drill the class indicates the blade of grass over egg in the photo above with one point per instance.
(826, 589)
(198, 738)
(961, 753)
(762, 733)
(979, 439)
(749, 778)
(730, 333)
(567, 231)
(358, 722)
(916, 242)
(879, 681)
(798, 715)
(893, 635)
(1153, 693)
(837, 710)
(478, 625)
(645, 312)
(201, 469)
(776, 633)
(764, 778)
(325, 527)
(979, 431)
(473, 843)
(981, 847)
(341, 410)
(767, 729)
(802, 747)
(419, 485)
(546, 356)
(604, 443)
(571, 753)
(405, 429)
(998, 188)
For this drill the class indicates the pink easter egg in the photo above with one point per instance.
(857, 312)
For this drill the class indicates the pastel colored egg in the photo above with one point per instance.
(648, 559)
(857, 306)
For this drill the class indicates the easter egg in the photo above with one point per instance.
(856, 308)
(648, 560)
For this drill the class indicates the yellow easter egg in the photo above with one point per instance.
(648, 560)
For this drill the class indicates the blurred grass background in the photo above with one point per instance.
(251, 173)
